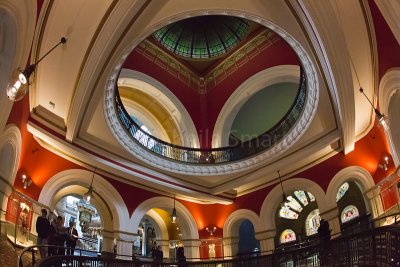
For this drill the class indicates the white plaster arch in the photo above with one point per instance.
(274, 199)
(10, 153)
(235, 219)
(388, 87)
(17, 26)
(157, 90)
(254, 84)
(96, 201)
(101, 187)
(161, 228)
(353, 173)
(186, 221)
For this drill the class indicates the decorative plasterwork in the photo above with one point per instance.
(292, 137)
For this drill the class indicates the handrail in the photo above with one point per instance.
(376, 247)
(215, 155)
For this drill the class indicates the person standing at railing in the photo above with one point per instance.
(51, 237)
(72, 238)
(43, 229)
(61, 235)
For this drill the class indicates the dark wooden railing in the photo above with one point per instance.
(215, 155)
(376, 247)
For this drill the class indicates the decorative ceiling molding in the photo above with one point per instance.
(292, 137)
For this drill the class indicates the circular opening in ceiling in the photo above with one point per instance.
(203, 89)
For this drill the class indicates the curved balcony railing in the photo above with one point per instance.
(215, 155)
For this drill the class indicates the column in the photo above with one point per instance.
(124, 242)
(231, 246)
(267, 240)
(192, 248)
(107, 246)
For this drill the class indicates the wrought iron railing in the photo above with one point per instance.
(215, 155)
(376, 247)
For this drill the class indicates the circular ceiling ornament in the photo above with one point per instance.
(203, 37)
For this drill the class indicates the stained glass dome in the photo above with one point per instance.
(203, 37)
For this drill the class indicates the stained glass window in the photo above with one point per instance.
(349, 213)
(342, 190)
(312, 222)
(292, 203)
(287, 213)
(203, 36)
(287, 235)
(311, 196)
(301, 195)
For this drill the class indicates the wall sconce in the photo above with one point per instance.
(17, 89)
(382, 118)
(384, 165)
(211, 230)
(26, 181)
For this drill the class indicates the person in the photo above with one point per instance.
(72, 238)
(180, 255)
(324, 233)
(43, 229)
(51, 237)
(159, 255)
(61, 235)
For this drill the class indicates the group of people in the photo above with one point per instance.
(157, 253)
(51, 231)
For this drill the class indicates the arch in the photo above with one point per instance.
(10, 153)
(161, 227)
(167, 99)
(256, 83)
(233, 222)
(17, 26)
(107, 199)
(388, 103)
(353, 173)
(274, 198)
(186, 220)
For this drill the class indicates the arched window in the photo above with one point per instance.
(349, 213)
(342, 190)
(312, 222)
(287, 235)
(287, 213)
(301, 195)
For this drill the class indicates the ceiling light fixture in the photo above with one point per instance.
(17, 89)
(382, 118)
(284, 201)
(211, 230)
(89, 194)
(174, 216)
(26, 181)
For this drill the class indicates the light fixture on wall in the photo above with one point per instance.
(89, 194)
(284, 197)
(174, 216)
(384, 164)
(26, 181)
(17, 89)
(382, 118)
(211, 230)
